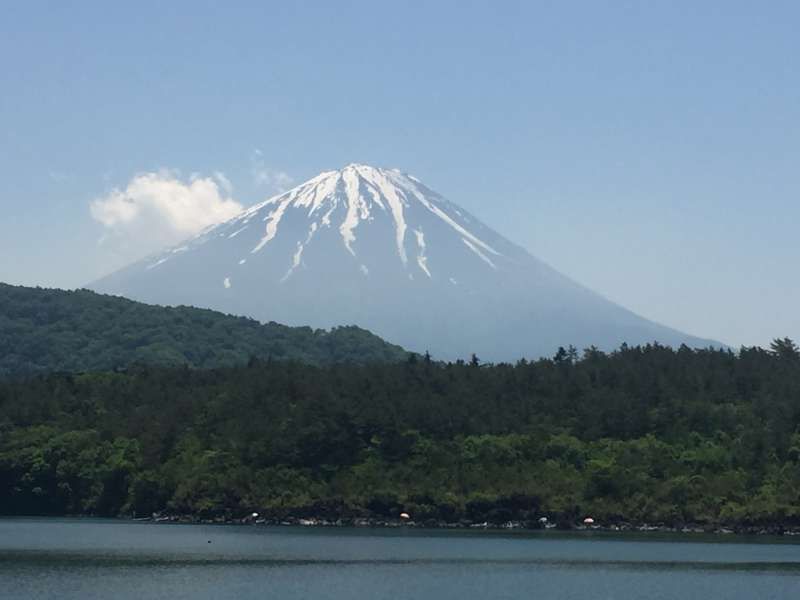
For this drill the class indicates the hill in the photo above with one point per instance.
(54, 330)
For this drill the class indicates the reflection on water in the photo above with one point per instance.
(100, 559)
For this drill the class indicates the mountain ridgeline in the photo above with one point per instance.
(379, 249)
(45, 330)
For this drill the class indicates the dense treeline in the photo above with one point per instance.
(645, 434)
(54, 330)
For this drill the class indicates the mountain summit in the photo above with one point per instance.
(377, 248)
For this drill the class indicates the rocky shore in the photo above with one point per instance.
(541, 524)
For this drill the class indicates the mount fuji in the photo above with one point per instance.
(379, 249)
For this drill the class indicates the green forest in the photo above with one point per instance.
(642, 435)
(45, 330)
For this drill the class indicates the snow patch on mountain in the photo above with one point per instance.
(422, 260)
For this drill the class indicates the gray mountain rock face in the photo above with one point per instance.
(379, 249)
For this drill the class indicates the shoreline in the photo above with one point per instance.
(519, 526)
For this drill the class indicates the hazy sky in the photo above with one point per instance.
(650, 150)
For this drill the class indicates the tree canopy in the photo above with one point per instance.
(54, 330)
(647, 434)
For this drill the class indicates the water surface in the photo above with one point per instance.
(61, 558)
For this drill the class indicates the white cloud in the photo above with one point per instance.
(158, 209)
(264, 176)
(226, 184)
(59, 176)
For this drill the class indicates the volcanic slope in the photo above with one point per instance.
(379, 249)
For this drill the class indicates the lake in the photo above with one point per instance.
(88, 558)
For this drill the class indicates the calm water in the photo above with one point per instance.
(48, 558)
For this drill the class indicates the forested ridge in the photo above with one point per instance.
(44, 330)
(644, 434)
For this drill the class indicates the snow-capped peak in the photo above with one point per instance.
(378, 248)
(346, 199)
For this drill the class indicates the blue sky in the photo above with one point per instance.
(650, 150)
